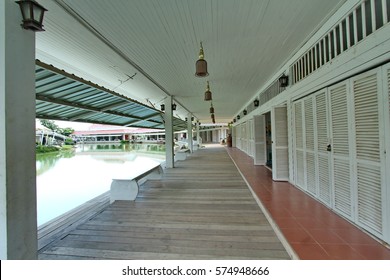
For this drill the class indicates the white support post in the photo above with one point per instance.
(198, 135)
(169, 157)
(18, 209)
(189, 133)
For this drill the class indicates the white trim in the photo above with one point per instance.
(386, 150)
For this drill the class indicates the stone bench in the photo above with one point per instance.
(127, 188)
(182, 154)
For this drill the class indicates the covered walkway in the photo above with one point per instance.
(201, 209)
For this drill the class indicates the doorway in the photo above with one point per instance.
(268, 139)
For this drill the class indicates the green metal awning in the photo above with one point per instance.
(66, 97)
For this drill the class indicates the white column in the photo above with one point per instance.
(189, 133)
(169, 157)
(18, 211)
(198, 135)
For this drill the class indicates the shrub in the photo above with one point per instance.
(45, 149)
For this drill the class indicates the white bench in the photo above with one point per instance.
(127, 189)
(181, 154)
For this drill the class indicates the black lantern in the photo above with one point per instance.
(192, 119)
(283, 81)
(32, 14)
(174, 106)
(234, 120)
(201, 64)
(238, 117)
(245, 112)
(162, 107)
(256, 102)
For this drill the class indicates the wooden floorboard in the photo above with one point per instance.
(201, 209)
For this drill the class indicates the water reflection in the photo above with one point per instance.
(67, 179)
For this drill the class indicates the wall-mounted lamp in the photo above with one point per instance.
(238, 117)
(207, 94)
(201, 64)
(162, 107)
(245, 112)
(174, 106)
(32, 14)
(283, 80)
(256, 102)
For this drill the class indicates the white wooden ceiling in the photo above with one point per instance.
(245, 43)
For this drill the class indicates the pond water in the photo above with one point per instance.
(67, 179)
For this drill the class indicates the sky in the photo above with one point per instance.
(65, 124)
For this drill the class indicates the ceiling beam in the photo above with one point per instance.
(94, 110)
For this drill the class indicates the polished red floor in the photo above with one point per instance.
(313, 231)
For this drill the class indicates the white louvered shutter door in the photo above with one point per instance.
(298, 139)
(251, 138)
(260, 156)
(311, 184)
(368, 155)
(321, 144)
(341, 179)
(244, 138)
(238, 138)
(279, 144)
(386, 166)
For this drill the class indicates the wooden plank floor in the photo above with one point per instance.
(201, 209)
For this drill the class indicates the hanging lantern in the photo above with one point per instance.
(207, 94)
(162, 107)
(211, 109)
(245, 112)
(256, 102)
(174, 106)
(201, 64)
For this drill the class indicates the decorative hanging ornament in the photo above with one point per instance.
(201, 64)
(207, 94)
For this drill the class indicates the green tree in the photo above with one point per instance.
(66, 131)
(50, 125)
